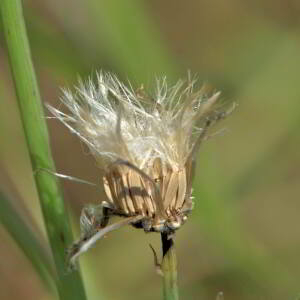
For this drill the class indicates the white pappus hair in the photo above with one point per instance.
(117, 122)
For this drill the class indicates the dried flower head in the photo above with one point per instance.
(146, 146)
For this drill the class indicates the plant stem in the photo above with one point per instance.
(169, 268)
(26, 240)
(56, 220)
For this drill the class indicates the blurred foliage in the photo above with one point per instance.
(243, 237)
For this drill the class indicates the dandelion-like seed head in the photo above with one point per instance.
(145, 144)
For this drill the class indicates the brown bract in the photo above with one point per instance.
(163, 198)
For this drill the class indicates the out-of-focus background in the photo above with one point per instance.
(243, 237)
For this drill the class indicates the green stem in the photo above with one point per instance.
(27, 241)
(56, 220)
(169, 268)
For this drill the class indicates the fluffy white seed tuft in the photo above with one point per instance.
(117, 122)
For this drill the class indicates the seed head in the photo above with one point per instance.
(145, 144)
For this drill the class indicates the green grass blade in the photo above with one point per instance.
(57, 224)
(27, 241)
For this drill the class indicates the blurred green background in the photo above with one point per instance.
(243, 237)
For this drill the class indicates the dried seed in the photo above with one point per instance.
(147, 200)
(165, 184)
(113, 190)
(136, 191)
(120, 194)
(171, 190)
(181, 189)
(107, 190)
(126, 194)
(157, 172)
